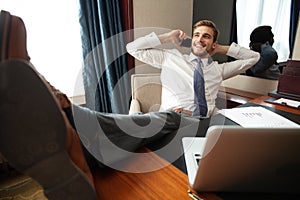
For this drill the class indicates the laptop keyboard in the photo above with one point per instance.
(197, 158)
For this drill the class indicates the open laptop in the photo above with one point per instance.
(237, 159)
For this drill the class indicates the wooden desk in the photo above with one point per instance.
(165, 183)
(261, 101)
(232, 97)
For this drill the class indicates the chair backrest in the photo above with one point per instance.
(146, 88)
(13, 43)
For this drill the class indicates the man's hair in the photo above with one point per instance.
(210, 24)
(262, 34)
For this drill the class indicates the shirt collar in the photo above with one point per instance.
(205, 61)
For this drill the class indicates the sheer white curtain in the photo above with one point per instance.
(275, 13)
(53, 40)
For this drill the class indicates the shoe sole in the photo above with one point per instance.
(33, 134)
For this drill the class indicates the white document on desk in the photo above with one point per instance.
(289, 102)
(256, 116)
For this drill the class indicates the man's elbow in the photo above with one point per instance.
(128, 47)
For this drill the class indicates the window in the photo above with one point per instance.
(275, 13)
(53, 40)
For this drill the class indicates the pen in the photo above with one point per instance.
(193, 196)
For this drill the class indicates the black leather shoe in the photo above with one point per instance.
(33, 134)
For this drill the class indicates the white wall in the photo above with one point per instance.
(161, 15)
(169, 14)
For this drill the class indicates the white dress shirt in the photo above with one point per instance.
(177, 71)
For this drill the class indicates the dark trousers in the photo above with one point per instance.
(112, 137)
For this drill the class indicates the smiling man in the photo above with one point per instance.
(177, 69)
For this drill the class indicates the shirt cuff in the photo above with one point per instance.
(152, 39)
(149, 41)
(233, 50)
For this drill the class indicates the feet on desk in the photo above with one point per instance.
(36, 138)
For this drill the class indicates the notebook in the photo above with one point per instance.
(237, 159)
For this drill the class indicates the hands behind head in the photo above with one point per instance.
(219, 49)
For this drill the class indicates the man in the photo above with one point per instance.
(261, 41)
(108, 137)
(177, 69)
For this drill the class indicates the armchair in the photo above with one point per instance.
(146, 93)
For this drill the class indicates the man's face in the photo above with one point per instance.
(202, 41)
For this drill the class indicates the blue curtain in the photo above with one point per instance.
(295, 9)
(105, 77)
(233, 34)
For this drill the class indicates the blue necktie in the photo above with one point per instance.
(199, 100)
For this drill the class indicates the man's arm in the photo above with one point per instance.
(149, 41)
(144, 48)
(174, 36)
(268, 58)
(152, 40)
(220, 49)
(245, 58)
